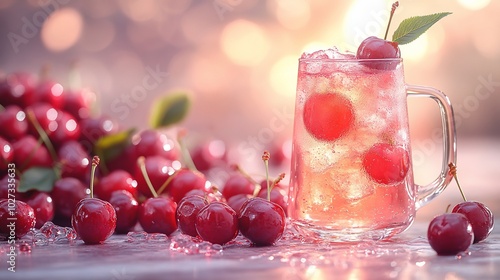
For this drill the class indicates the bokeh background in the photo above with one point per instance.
(238, 61)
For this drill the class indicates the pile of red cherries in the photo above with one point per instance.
(46, 129)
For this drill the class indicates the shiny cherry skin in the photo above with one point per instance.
(42, 206)
(376, 48)
(386, 164)
(28, 153)
(183, 181)
(49, 92)
(328, 116)
(261, 221)
(94, 220)
(17, 89)
(450, 234)
(66, 194)
(74, 160)
(278, 196)
(236, 201)
(209, 155)
(157, 215)
(115, 181)
(186, 213)
(127, 210)
(217, 223)
(154, 143)
(158, 169)
(13, 123)
(479, 216)
(24, 218)
(127, 161)
(6, 154)
(237, 184)
(92, 129)
(78, 103)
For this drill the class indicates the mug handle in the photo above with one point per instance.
(427, 193)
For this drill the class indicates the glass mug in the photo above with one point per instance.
(351, 171)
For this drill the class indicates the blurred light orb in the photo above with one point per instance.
(474, 4)
(139, 10)
(62, 29)
(244, 43)
(293, 14)
(283, 75)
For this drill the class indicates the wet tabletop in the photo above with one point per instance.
(154, 256)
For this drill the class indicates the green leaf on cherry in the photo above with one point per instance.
(112, 145)
(170, 110)
(38, 178)
(411, 28)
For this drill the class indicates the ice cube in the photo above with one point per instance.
(320, 156)
(137, 236)
(157, 237)
(351, 182)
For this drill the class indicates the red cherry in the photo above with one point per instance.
(74, 160)
(13, 123)
(15, 215)
(158, 169)
(127, 210)
(78, 103)
(186, 213)
(183, 181)
(236, 201)
(153, 143)
(237, 184)
(157, 215)
(278, 196)
(328, 116)
(127, 160)
(209, 155)
(261, 221)
(450, 234)
(17, 89)
(479, 216)
(6, 154)
(66, 194)
(217, 223)
(28, 153)
(376, 48)
(42, 206)
(94, 220)
(386, 164)
(115, 181)
(92, 129)
(49, 92)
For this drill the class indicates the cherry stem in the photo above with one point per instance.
(186, 156)
(242, 172)
(95, 163)
(165, 184)
(142, 165)
(393, 9)
(453, 171)
(265, 157)
(32, 154)
(42, 134)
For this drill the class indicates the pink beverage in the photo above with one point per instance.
(351, 173)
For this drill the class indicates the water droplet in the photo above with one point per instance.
(157, 237)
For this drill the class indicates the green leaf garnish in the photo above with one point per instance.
(110, 146)
(170, 110)
(38, 178)
(411, 28)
